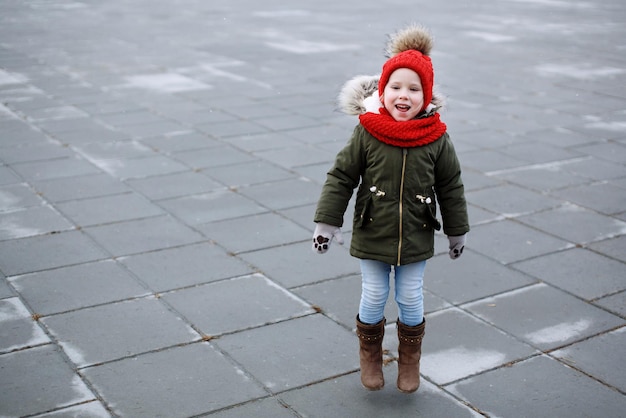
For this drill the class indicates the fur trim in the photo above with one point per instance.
(360, 95)
(412, 37)
(354, 92)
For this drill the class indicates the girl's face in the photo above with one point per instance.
(403, 96)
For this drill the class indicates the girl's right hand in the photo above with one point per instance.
(323, 236)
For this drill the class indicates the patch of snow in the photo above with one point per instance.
(491, 37)
(282, 13)
(558, 333)
(7, 78)
(165, 83)
(456, 363)
(9, 228)
(580, 72)
(303, 47)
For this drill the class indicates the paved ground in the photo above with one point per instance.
(159, 168)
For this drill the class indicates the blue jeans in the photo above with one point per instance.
(409, 280)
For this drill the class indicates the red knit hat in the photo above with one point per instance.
(409, 48)
(415, 61)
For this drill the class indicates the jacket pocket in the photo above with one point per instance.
(363, 218)
(427, 209)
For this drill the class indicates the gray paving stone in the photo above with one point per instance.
(264, 408)
(53, 113)
(596, 169)
(604, 197)
(247, 174)
(132, 237)
(303, 216)
(228, 129)
(540, 153)
(75, 287)
(8, 176)
(174, 185)
(33, 102)
(54, 169)
(589, 226)
(214, 206)
(510, 201)
(614, 303)
(93, 409)
(47, 251)
(543, 178)
(508, 241)
(109, 209)
(487, 161)
(127, 118)
(458, 345)
(31, 222)
(297, 346)
(262, 142)
(107, 105)
(185, 266)
(478, 216)
(72, 131)
(17, 132)
(315, 173)
(283, 194)
(36, 152)
(27, 390)
(114, 150)
(200, 117)
(213, 157)
(471, 277)
(306, 267)
(473, 180)
(345, 397)
(286, 122)
(79, 187)
(18, 330)
(543, 316)
(581, 272)
(114, 331)
(213, 308)
(5, 290)
(324, 132)
(140, 167)
(610, 151)
(261, 231)
(551, 387)
(597, 358)
(144, 130)
(16, 196)
(185, 141)
(296, 155)
(182, 382)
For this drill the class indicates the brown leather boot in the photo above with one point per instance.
(409, 353)
(371, 353)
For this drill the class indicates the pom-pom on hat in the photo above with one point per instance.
(410, 48)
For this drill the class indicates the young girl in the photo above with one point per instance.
(402, 161)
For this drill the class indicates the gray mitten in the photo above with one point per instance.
(457, 244)
(323, 236)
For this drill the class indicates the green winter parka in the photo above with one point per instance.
(395, 215)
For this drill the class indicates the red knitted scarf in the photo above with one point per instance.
(407, 134)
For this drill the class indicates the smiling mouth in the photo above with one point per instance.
(403, 108)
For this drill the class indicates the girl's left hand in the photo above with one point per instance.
(457, 245)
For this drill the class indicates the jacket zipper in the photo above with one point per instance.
(404, 153)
